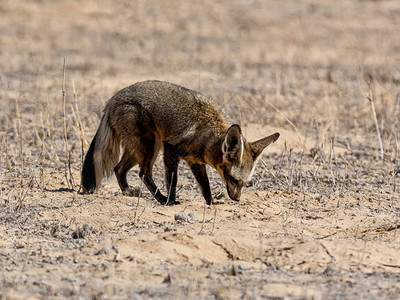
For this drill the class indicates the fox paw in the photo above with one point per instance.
(132, 192)
(173, 203)
(170, 202)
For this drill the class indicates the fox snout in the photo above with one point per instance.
(234, 188)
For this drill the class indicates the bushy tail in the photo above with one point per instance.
(102, 156)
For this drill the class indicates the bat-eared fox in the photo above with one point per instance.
(144, 118)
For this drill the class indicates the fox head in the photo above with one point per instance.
(239, 158)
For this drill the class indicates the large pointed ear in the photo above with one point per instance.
(257, 147)
(232, 146)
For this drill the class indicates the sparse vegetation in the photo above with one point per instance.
(320, 218)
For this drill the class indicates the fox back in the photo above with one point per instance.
(149, 116)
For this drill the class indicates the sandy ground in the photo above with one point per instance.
(320, 218)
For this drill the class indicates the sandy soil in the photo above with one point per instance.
(320, 218)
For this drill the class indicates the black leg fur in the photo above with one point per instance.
(200, 173)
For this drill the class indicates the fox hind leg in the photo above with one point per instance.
(137, 133)
(147, 154)
(127, 162)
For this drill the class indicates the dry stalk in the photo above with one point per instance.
(48, 121)
(67, 163)
(371, 100)
(204, 217)
(75, 111)
(169, 191)
(19, 132)
(215, 217)
(24, 193)
(41, 166)
(41, 153)
(269, 171)
(290, 169)
(5, 151)
(287, 119)
(138, 201)
(2, 169)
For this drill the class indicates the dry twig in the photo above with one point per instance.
(371, 100)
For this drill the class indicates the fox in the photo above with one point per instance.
(151, 116)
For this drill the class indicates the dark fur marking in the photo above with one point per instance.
(88, 171)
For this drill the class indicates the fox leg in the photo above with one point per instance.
(200, 173)
(127, 162)
(148, 152)
(171, 162)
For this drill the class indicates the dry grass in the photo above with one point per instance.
(321, 215)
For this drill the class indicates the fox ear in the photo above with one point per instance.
(258, 147)
(232, 146)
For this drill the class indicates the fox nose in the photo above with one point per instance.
(234, 193)
(237, 196)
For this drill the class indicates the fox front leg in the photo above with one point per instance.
(200, 173)
(171, 162)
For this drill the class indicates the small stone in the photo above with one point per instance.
(184, 217)
(192, 216)
(168, 279)
(19, 245)
(168, 227)
(82, 232)
(53, 231)
(181, 217)
(103, 250)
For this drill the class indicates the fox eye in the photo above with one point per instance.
(231, 158)
(235, 181)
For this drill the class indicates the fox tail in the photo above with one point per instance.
(102, 156)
